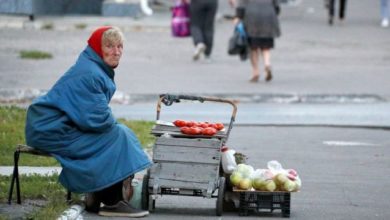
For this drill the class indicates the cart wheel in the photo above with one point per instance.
(145, 192)
(220, 198)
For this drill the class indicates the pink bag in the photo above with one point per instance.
(181, 19)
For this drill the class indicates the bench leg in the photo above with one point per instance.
(15, 176)
(69, 196)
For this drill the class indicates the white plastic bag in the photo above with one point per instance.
(228, 160)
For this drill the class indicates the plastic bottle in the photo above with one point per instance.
(228, 160)
(135, 201)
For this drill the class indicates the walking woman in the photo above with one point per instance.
(202, 26)
(331, 8)
(260, 18)
(385, 10)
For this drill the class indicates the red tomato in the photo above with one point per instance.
(180, 123)
(211, 125)
(185, 130)
(219, 126)
(209, 131)
(190, 123)
(195, 130)
(203, 125)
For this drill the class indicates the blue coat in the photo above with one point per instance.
(74, 123)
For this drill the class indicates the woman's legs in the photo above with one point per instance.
(385, 13)
(111, 195)
(208, 25)
(197, 15)
(254, 57)
(266, 54)
(331, 12)
(343, 5)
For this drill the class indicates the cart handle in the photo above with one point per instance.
(169, 99)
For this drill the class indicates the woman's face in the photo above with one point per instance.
(112, 53)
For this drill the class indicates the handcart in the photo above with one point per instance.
(186, 165)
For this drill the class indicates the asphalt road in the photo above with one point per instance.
(343, 172)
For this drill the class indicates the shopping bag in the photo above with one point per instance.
(238, 43)
(181, 19)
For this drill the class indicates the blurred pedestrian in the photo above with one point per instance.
(233, 3)
(202, 26)
(385, 10)
(331, 10)
(261, 22)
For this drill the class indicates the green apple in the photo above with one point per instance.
(280, 179)
(245, 184)
(289, 186)
(258, 183)
(269, 185)
(245, 170)
(236, 178)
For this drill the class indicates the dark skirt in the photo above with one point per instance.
(260, 42)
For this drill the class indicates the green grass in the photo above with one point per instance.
(36, 187)
(12, 120)
(80, 26)
(35, 54)
(47, 26)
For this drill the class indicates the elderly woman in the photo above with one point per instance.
(74, 123)
(260, 18)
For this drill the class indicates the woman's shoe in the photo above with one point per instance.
(254, 79)
(268, 72)
(199, 50)
(122, 209)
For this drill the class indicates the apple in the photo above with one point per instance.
(267, 174)
(269, 185)
(292, 174)
(298, 183)
(245, 170)
(245, 184)
(289, 186)
(236, 178)
(258, 183)
(280, 179)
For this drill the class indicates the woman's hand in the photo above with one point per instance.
(236, 20)
(233, 3)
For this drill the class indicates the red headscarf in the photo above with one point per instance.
(95, 40)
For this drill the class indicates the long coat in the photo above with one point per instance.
(260, 17)
(74, 123)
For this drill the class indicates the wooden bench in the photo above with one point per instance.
(15, 175)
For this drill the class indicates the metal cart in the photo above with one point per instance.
(187, 165)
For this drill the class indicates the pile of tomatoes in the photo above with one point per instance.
(198, 128)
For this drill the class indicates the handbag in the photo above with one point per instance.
(238, 43)
(180, 23)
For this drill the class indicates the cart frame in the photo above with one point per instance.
(175, 154)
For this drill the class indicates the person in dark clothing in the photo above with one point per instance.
(331, 10)
(202, 26)
(261, 22)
